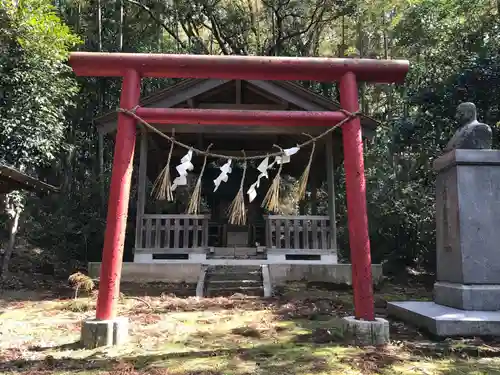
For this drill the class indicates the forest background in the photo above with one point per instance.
(46, 114)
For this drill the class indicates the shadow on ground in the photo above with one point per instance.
(274, 359)
(268, 359)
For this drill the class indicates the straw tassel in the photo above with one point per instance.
(195, 201)
(272, 198)
(237, 209)
(302, 187)
(162, 189)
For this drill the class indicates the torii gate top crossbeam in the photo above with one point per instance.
(237, 67)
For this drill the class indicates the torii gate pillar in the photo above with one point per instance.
(107, 329)
(356, 202)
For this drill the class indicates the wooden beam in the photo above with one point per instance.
(287, 96)
(330, 181)
(250, 107)
(237, 67)
(152, 142)
(314, 194)
(239, 117)
(239, 130)
(141, 189)
(239, 91)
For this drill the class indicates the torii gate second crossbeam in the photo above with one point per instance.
(134, 67)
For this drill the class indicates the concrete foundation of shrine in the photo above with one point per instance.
(279, 274)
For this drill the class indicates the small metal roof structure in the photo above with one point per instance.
(11, 179)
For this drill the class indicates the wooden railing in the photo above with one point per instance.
(298, 232)
(172, 233)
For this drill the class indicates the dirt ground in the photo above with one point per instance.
(172, 333)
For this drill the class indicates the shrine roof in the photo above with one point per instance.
(12, 179)
(222, 94)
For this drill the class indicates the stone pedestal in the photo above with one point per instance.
(468, 239)
(99, 333)
(365, 333)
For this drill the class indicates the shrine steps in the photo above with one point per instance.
(233, 280)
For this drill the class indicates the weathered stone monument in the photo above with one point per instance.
(467, 289)
(472, 134)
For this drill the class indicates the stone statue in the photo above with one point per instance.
(472, 134)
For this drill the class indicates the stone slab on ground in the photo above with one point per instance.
(446, 321)
(365, 333)
(98, 333)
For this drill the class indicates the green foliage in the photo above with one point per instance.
(36, 88)
(456, 61)
(41, 31)
(71, 225)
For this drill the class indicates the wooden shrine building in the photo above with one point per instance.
(296, 238)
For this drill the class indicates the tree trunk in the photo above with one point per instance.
(102, 96)
(390, 88)
(120, 27)
(99, 25)
(14, 226)
(100, 146)
(360, 45)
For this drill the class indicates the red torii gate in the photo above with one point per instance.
(133, 67)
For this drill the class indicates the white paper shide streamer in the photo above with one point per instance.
(224, 174)
(183, 168)
(264, 166)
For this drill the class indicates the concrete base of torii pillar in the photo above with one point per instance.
(98, 333)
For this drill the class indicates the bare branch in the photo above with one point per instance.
(158, 21)
(217, 35)
(192, 33)
(315, 20)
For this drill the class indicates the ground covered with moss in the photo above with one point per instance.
(296, 332)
